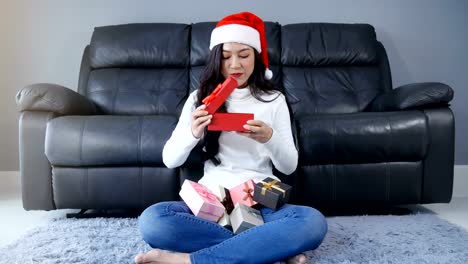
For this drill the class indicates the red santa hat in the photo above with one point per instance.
(245, 28)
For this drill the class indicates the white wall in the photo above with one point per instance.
(42, 41)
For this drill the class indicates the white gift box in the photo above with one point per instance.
(225, 220)
(220, 192)
(244, 217)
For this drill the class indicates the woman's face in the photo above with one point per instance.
(238, 61)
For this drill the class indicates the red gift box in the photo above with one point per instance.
(229, 121)
(224, 121)
(219, 95)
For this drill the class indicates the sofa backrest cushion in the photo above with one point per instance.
(199, 51)
(329, 68)
(140, 45)
(327, 44)
(139, 69)
(144, 69)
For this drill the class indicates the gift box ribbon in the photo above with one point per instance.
(208, 99)
(248, 193)
(204, 193)
(272, 185)
(212, 96)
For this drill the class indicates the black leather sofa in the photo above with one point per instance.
(360, 140)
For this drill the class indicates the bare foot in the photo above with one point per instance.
(298, 259)
(159, 256)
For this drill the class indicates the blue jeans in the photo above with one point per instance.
(288, 231)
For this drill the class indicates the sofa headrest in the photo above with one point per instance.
(140, 45)
(328, 44)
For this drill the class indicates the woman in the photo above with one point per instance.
(238, 49)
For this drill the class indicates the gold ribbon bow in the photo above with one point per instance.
(272, 185)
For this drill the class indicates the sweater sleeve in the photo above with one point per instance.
(280, 147)
(180, 144)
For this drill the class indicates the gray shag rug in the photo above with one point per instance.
(419, 238)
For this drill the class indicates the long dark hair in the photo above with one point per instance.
(212, 76)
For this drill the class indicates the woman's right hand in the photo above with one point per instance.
(200, 119)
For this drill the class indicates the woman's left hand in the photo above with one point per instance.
(257, 130)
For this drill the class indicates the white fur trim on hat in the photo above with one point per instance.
(236, 33)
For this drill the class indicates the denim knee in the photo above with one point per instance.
(155, 226)
(314, 226)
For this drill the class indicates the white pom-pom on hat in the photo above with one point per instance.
(268, 74)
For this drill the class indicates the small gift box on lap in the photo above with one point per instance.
(244, 217)
(225, 221)
(243, 193)
(225, 198)
(271, 193)
(201, 201)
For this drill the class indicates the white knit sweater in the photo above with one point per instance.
(241, 158)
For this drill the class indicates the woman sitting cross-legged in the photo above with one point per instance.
(238, 49)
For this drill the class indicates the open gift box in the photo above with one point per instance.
(225, 121)
(225, 198)
(230, 122)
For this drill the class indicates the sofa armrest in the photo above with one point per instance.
(413, 96)
(53, 98)
(437, 186)
(35, 168)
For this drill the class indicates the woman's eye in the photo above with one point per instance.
(243, 56)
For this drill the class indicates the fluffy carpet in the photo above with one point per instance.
(419, 238)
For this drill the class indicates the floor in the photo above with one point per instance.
(15, 221)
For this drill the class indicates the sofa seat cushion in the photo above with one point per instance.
(362, 138)
(76, 141)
